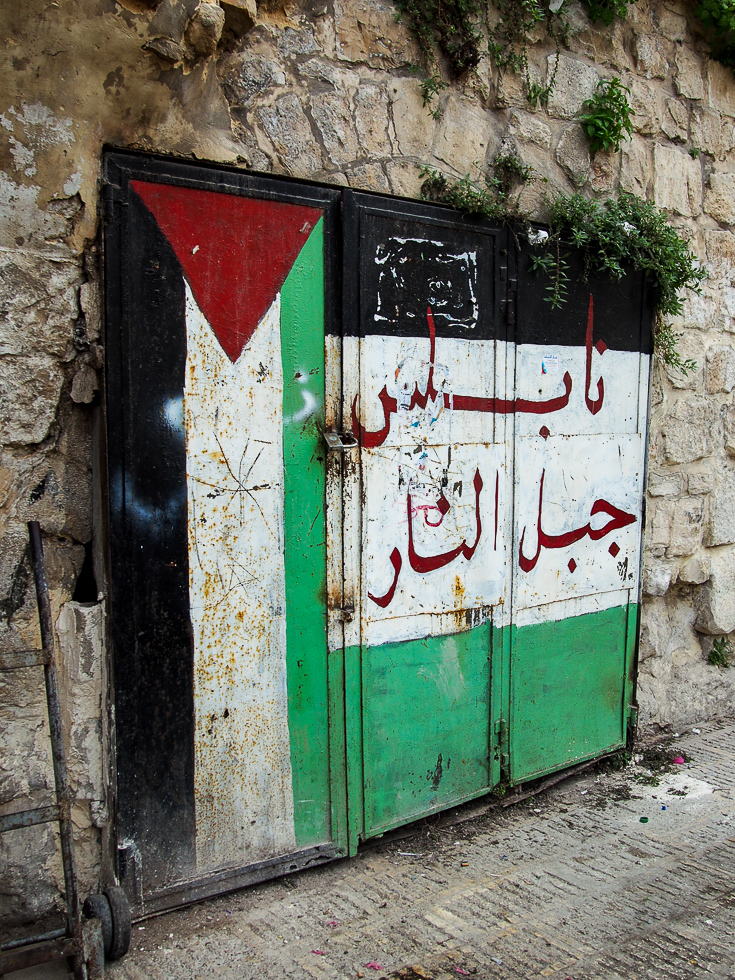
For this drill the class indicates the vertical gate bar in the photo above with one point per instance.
(63, 796)
(335, 590)
(351, 476)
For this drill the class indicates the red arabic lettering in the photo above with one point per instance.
(428, 563)
(593, 405)
(461, 403)
(618, 519)
(397, 562)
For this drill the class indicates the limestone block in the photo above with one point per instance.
(170, 20)
(686, 527)
(80, 630)
(294, 41)
(573, 154)
(527, 128)
(240, 16)
(371, 120)
(659, 516)
(721, 528)
(695, 571)
(288, 128)
(651, 56)
(720, 248)
(727, 308)
(688, 430)
(91, 306)
(720, 375)
(511, 88)
(414, 127)
(720, 90)
(343, 80)
(85, 385)
(675, 122)
(645, 103)
(719, 198)
(699, 313)
(729, 427)
(670, 25)
(701, 482)
(666, 627)
(706, 130)
(205, 29)
(464, 136)
(688, 80)
(369, 177)
(38, 300)
(575, 82)
(30, 387)
(690, 348)
(677, 181)
(332, 115)
(656, 579)
(367, 31)
(603, 47)
(404, 177)
(635, 166)
(714, 601)
(664, 484)
(245, 77)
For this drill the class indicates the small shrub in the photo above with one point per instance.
(606, 11)
(607, 118)
(721, 653)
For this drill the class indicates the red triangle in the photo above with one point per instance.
(235, 251)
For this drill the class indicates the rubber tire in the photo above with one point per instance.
(121, 923)
(98, 907)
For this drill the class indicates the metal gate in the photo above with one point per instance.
(375, 517)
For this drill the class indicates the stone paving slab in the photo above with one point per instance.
(568, 884)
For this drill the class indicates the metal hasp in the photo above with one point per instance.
(82, 940)
(340, 442)
(375, 518)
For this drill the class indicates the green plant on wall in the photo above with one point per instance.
(605, 11)
(452, 27)
(513, 33)
(721, 653)
(615, 235)
(606, 118)
(718, 16)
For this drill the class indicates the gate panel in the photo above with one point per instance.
(435, 515)
(578, 519)
(248, 412)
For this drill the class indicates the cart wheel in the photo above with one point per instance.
(97, 907)
(121, 925)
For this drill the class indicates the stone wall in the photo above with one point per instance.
(323, 90)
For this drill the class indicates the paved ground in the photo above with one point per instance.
(567, 884)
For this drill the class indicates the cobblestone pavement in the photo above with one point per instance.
(567, 884)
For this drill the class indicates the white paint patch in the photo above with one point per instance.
(619, 372)
(234, 427)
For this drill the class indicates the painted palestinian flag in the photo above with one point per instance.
(245, 316)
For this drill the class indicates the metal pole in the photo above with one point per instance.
(63, 795)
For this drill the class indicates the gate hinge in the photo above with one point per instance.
(500, 729)
(112, 194)
(632, 715)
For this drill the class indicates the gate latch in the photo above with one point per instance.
(340, 442)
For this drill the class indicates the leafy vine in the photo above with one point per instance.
(613, 235)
